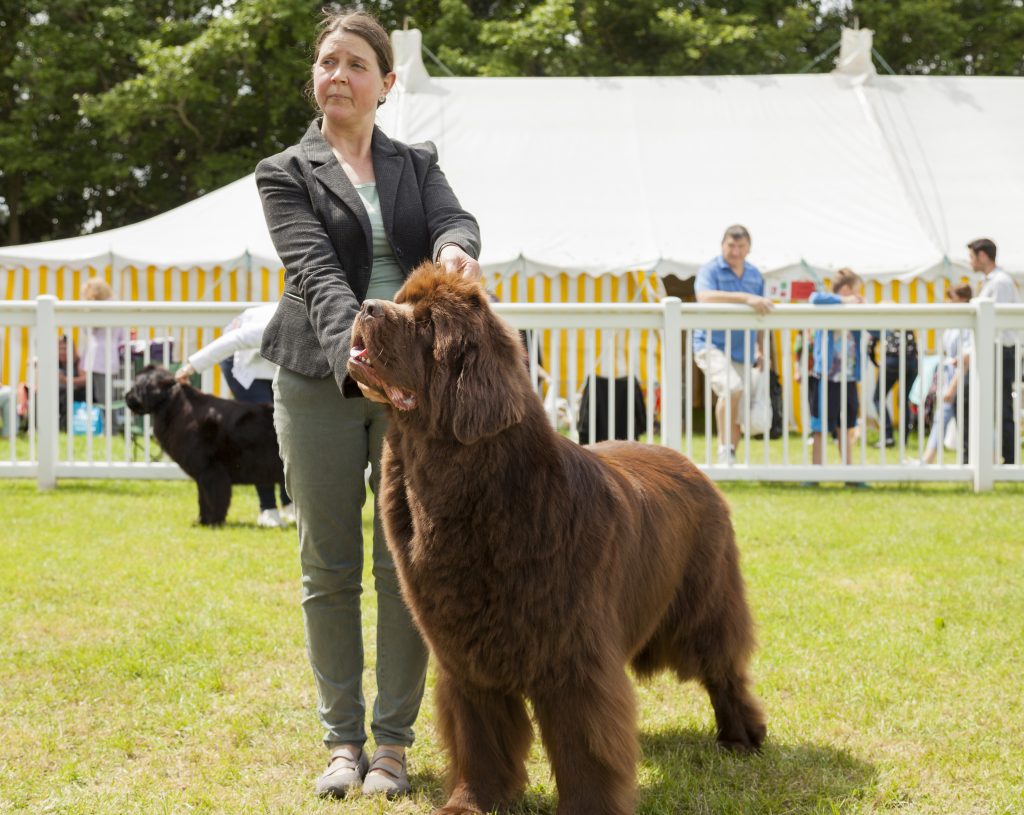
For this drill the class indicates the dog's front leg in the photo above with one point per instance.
(488, 736)
(589, 730)
(394, 504)
(214, 495)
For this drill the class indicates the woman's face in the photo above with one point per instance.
(347, 80)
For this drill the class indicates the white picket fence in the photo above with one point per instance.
(569, 344)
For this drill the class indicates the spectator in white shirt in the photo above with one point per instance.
(998, 286)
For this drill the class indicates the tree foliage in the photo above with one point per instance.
(201, 111)
(971, 37)
(55, 161)
(115, 110)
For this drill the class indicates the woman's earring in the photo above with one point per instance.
(383, 98)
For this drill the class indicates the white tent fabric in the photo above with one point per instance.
(223, 228)
(888, 175)
(891, 177)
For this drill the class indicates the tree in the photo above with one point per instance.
(118, 111)
(200, 113)
(642, 37)
(14, 17)
(971, 37)
(55, 161)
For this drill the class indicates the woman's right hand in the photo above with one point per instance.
(453, 258)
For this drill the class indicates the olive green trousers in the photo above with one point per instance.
(327, 441)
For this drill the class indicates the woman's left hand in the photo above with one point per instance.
(453, 258)
(183, 373)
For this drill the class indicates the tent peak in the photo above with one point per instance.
(855, 47)
(411, 72)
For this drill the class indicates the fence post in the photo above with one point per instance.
(48, 391)
(672, 390)
(982, 396)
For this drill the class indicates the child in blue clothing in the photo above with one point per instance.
(827, 377)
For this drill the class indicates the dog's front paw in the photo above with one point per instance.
(459, 803)
(739, 748)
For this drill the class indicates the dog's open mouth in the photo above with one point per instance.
(360, 365)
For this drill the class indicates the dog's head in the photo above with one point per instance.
(441, 354)
(150, 390)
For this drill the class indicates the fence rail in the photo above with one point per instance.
(603, 370)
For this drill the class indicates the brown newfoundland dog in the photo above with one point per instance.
(538, 569)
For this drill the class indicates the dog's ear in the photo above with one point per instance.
(489, 395)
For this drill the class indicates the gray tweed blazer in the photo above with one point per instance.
(322, 233)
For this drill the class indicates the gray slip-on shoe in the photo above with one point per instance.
(343, 774)
(380, 778)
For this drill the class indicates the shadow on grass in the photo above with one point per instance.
(430, 787)
(684, 771)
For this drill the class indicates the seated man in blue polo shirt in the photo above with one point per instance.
(729, 279)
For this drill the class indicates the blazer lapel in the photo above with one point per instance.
(387, 168)
(328, 172)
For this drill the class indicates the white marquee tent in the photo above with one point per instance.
(889, 175)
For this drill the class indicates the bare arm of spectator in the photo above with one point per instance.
(762, 305)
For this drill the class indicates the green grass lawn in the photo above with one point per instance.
(791, 451)
(151, 666)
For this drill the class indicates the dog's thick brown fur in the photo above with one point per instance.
(537, 569)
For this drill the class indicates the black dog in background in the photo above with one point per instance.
(218, 442)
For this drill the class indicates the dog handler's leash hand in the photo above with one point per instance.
(184, 373)
(453, 258)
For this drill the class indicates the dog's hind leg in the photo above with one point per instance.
(738, 714)
(214, 496)
(722, 644)
(720, 649)
(716, 654)
(488, 737)
(707, 634)
(589, 730)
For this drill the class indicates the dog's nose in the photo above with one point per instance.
(371, 308)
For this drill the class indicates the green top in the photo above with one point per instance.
(387, 277)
